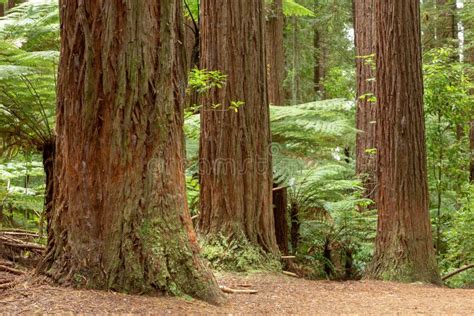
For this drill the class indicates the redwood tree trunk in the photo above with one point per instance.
(275, 52)
(404, 245)
(2, 9)
(235, 158)
(120, 219)
(366, 108)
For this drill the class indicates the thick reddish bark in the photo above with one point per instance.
(275, 52)
(404, 245)
(2, 9)
(366, 108)
(235, 158)
(120, 219)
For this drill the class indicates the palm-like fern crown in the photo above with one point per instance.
(28, 59)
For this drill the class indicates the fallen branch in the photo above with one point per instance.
(11, 270)
(228, 290)
(451, 274)
(19, 234)
(12, 242)
(288, 257)
(288, 273)
(8, 285)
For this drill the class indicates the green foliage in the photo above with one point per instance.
(448, 109)
(32, 26)
(21, 192)
(237, 255)
(27, 98)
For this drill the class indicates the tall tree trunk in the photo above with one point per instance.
(275, 59)
(447, 30)
(404, 245)
(295, 65)
(366, 108)
(120, 219)
(2, 10)
(235, 158)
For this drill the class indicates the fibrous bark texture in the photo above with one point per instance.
(366, 108)
(404, 246)
(275, 52)
(235, 156)
(120, 219)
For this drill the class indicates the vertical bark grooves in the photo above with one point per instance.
(404, 246)
(235, 157)
(119, 218)
(275, 59)
(365, 113)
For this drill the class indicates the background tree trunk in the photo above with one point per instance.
(366, 108)
(404, 245)
(280, 206)
(48, 165)
(447, 30)
(120, 219)
(2, 9)
(275, 52)
(10, 4)
(235, 158)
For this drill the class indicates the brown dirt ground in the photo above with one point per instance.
(277, 294)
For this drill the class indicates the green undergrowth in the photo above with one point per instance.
(237, 255)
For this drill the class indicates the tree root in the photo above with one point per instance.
(11, 270)
(228, 290)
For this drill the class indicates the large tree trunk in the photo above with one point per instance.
(120, 219)
(235, 158)
(2, 10)
(366, 108)
(404, 245)
(275, 52)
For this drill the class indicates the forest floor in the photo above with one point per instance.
(277, 294)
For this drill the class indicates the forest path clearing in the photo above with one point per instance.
(277, 294)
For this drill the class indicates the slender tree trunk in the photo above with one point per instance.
(2, 10)
(295, 227)
(404, 245)
(447, 30)
(235, 158)
(48, 165)
(280, 206)
(294, 78)
(120, 219)
(10, 4)
(366, 108)
(275, 52)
